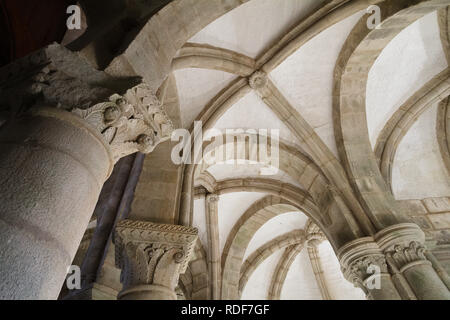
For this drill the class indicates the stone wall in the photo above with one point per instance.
(433, 216)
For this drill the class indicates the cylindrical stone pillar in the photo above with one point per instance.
(405, 250)
(425, 281)
(213, 253)
(54, 161)
(52, 168)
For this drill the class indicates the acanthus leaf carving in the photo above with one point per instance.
(359, 270)
(135, 122)
(402, 255)
(131, 122)
(151, 253)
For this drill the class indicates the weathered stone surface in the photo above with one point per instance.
(440, 220)
(329, 173)
(152, 256)
(437, 204)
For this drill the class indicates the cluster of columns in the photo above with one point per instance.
(56, 157)
(65, 129)
(394, 265)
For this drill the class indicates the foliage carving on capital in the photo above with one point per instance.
(124, 111)
(360, 269)
(402, 255)
(363, 263)
(149, 253)
(134, 122)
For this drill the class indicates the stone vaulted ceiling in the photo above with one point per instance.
(315, 149)
(363, 121)
(211, 73)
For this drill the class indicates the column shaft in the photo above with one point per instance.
(439, 269)
(213, 254)
(52, 168)
(425, 281)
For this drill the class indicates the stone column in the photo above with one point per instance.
(58, 147)
(213, 254)
(364, 264)
(313, 240)
(152, 257)
(405, 251)
(399, 254)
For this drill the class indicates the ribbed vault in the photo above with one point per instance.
(335, 181)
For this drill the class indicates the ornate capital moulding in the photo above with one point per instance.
(393, 250)
(55, 82)
(403, 245)
(356, 259)
(152, 256)
(130, 123)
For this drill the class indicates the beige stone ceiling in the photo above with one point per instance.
(208, 71)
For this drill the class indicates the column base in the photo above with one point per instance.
(147, 292)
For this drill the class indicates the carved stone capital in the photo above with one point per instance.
(124, 112)
(402, 257)
(258, 80)
(361, 269)
(403, 245)
(152, 254)
(400, 234)
(359, 259)
(134, 122)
